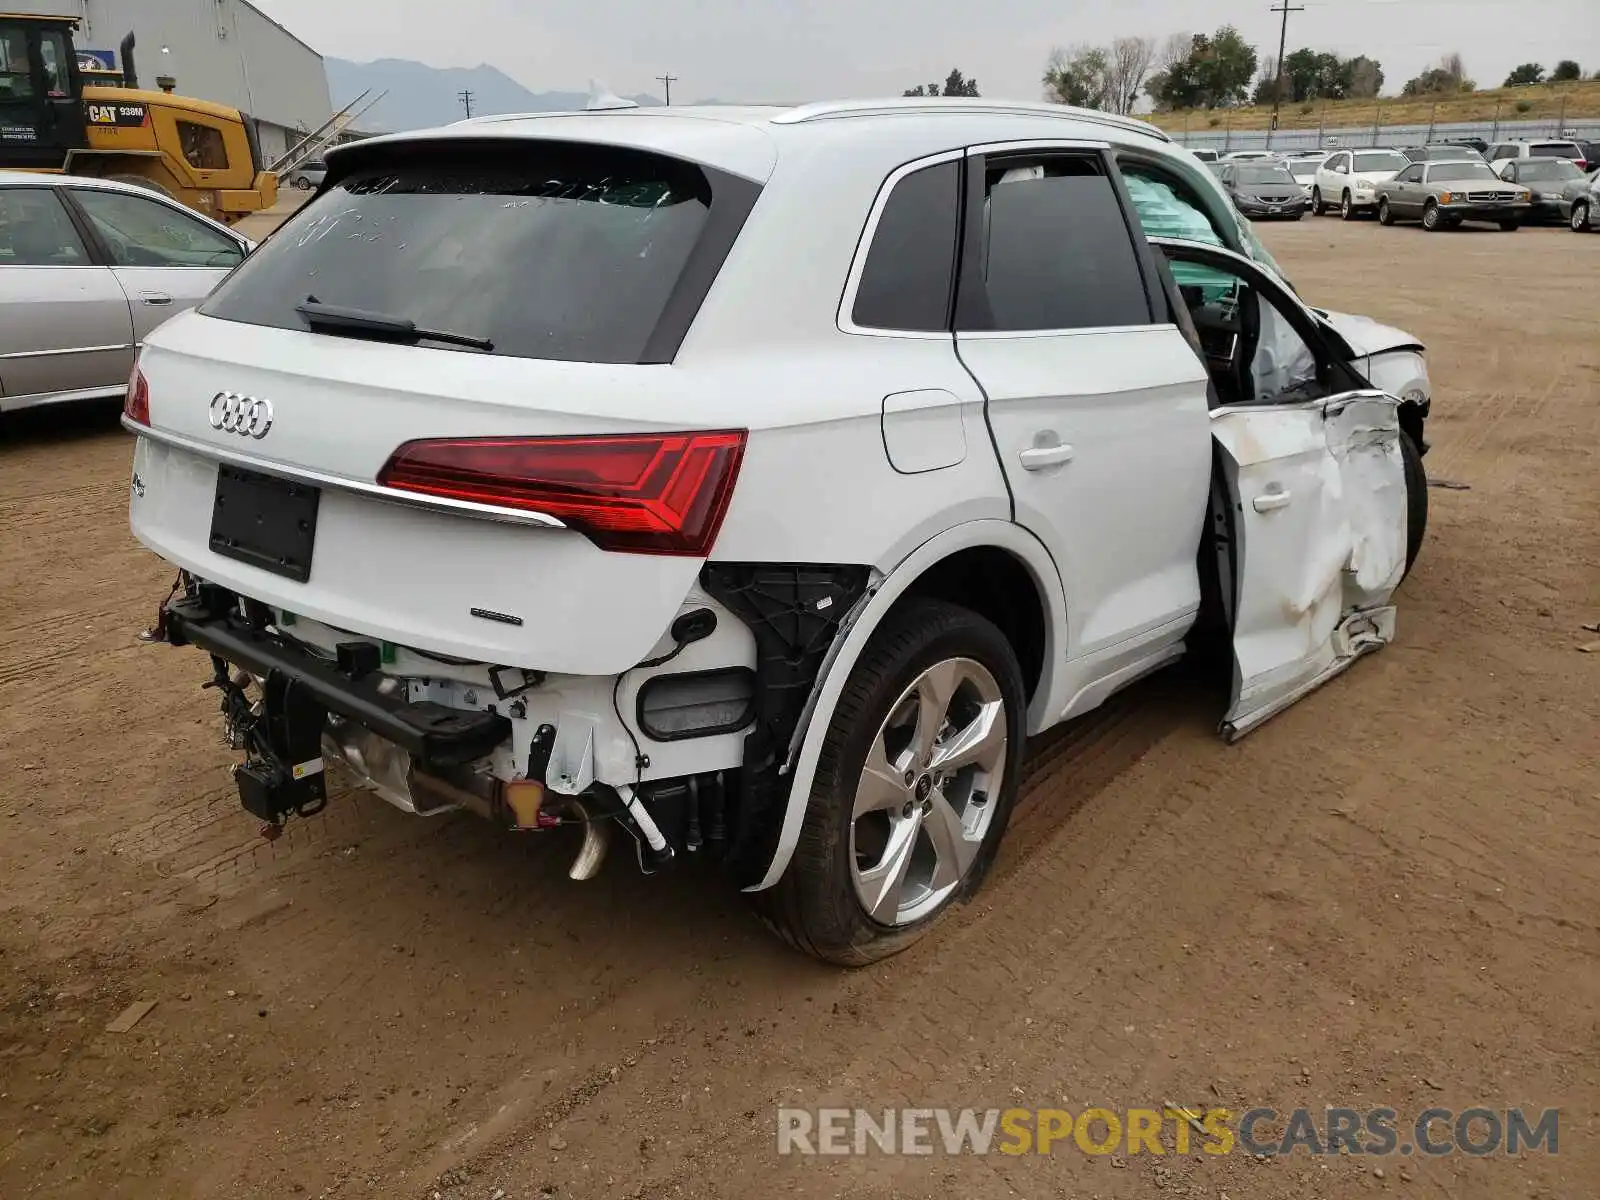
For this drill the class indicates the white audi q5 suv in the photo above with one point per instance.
(751, 483)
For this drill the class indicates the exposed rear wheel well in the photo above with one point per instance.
(995, 585)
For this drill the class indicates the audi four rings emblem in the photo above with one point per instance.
(245, 415)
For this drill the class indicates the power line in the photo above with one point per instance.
(466, 98)
(668, 80)
(1283, 46)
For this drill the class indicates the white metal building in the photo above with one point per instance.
(225, 51)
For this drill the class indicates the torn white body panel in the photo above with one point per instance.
(1319, 523)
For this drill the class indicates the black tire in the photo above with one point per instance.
(1432, 220)
(1579, 222)
(1385, 214)
(1510, 226)
(1416, 498)
(1317, 208)
(303, 184)
(815, 906)
(1347, 207)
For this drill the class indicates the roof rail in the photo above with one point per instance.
(834, 109)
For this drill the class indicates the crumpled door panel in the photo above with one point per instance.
(1319, 521)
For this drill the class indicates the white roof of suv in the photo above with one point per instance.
(744, 140)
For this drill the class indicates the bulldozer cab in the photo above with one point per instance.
(41, 92)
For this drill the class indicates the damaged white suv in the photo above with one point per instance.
(756, 481)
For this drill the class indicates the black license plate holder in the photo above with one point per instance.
(266, 521)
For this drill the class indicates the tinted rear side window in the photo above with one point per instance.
(568, 252)
(910, 268)
(1056, 252)
(1555, 150)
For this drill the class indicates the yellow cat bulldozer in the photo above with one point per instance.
(58, 116)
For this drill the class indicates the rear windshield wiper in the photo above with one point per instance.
(355, 322)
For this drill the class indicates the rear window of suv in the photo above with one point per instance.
(546, 250)
(1555, 150)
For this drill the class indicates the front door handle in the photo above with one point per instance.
(1039, 458)
(155, 298)
(1270, 501)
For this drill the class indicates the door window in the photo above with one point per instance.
(16, 79)
(1252, 349)
(203, 146)
(1055, 250)
(146, 233)
(35, 230)
(53, 49)
(905, 283)
(1412, 174)
(1168, 207)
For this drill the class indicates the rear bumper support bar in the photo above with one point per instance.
(435, 736)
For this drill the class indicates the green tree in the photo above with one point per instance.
(1215, 73)
(1566, 71)
(1079, 77)
(1366, 77)
(1525, 74)
(955, 84)
(1449, 76)
(1226, 69)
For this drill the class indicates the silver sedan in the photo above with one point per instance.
(87, 269)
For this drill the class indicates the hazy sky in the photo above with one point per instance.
(784, 50)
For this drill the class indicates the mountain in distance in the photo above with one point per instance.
(421, 97)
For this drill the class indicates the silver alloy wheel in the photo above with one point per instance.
(1580, 218)
(926, 795)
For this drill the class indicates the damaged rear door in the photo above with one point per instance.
(1309, 507)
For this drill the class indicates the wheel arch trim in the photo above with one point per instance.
(880, 600)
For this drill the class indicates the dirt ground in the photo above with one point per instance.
(1386, 897)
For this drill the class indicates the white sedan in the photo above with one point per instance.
(1349, 179)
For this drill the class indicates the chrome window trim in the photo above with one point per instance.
(845, 318)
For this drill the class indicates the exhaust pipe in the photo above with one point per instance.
(382, 767)
(130, 75)
(596, 840)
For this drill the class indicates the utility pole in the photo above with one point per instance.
(667, 81)
(1283, 46)
(466, 102)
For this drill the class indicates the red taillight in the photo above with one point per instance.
(659, 493)
(136, 404)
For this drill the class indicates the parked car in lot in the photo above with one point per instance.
(1304, 171)
(1349, 179)
(1537, 149)
(1547, 180)
(1580, 203)
(308, 176)
(1442, 195)
(1439, 152)
(87, 269)
(1265, 190)
(442, 513)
